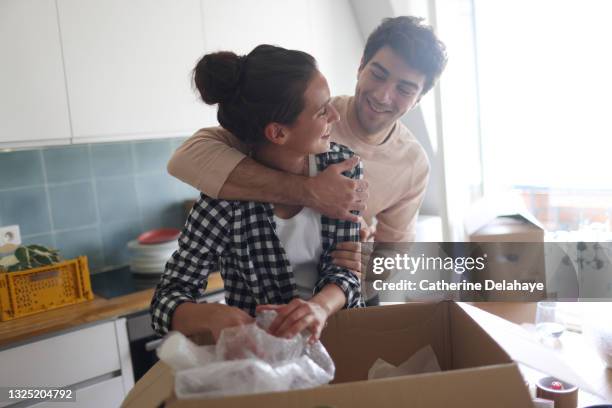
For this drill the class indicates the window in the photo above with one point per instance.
(545, 85)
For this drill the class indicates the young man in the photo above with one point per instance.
(401, 62)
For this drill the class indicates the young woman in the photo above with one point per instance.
(270, 256)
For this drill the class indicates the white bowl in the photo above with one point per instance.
(135, 246)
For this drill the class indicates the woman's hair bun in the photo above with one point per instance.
(267, 85)
(217, 76)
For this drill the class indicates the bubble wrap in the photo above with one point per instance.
(246, 360)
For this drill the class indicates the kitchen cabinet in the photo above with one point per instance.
(33, 101)
(105, 394)
(94, 359)
(240, 25)
(83, 71)
(326, 29)
(336, 43)
(128, 67)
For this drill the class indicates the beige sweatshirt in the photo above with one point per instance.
(397, 171)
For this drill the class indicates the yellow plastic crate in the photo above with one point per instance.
(40, 289)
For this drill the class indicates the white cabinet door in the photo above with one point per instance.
(106, 394)
(128, 67)
(240, 25)
(125, 358)
(336, 43)
(324, 28)
(95, 360)
(62, 360)
(33, 103)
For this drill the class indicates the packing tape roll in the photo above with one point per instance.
(566, 397)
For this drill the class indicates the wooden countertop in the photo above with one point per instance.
(72, 316)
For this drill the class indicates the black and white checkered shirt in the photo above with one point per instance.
(238, 238)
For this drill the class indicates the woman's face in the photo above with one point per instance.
(311, 131)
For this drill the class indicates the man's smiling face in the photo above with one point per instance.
(387, 88)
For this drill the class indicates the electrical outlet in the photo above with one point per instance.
(10, 235)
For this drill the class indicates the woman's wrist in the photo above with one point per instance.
(331, 299)
(323, 306)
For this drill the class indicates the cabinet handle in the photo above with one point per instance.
(153, 344)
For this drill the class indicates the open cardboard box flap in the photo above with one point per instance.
(502, 218)
(477, 371)
(522, 348)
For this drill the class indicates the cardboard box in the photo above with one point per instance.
(517, 227)
(502, 219)
(477, 371)
(513, 241)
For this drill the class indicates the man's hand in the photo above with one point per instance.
(335, 195)
(348, 255)
(296, 316)
(352, 256)
(367, 233)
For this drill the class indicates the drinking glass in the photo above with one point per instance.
(548, 322)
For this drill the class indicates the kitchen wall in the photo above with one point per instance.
(91, 199)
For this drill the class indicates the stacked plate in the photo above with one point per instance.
(149, 256)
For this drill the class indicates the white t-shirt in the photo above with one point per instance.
(300, 236)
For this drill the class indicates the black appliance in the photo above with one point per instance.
(143, 342)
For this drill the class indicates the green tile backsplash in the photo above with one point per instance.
(91, 199)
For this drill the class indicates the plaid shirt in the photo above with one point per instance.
(238, 238)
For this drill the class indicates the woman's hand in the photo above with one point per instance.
(191, 318)
(224, 316)
(296, 316)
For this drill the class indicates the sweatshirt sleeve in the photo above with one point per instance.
(398, 222)
(206, 159)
